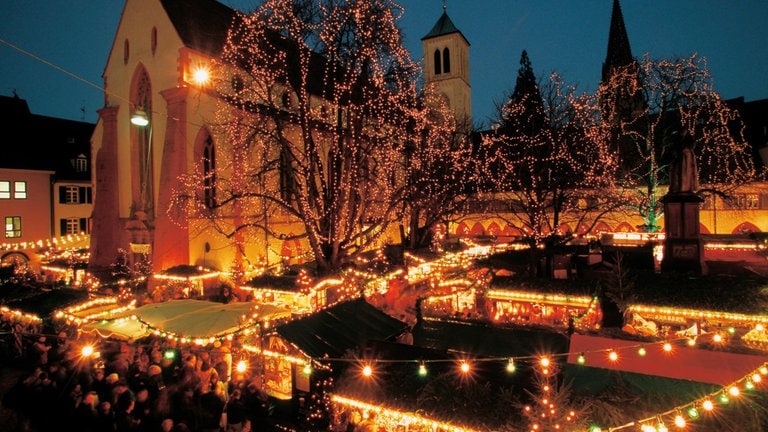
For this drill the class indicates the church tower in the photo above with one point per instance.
(446, 64)
(619, 53)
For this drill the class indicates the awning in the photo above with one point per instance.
(126, 329)
(191, 319)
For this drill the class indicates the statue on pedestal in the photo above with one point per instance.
(683, 175)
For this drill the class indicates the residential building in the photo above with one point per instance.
(45, 180)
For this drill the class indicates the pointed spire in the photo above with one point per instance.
(619, 53)
(443, 26)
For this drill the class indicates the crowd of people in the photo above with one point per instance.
(130, 387)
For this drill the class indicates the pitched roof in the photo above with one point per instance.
(346, 326)
(443, 26)
(201, 24)
(46, 143)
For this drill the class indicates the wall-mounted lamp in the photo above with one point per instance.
(139, 118)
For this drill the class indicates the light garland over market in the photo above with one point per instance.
(103, 308)
(49, 242)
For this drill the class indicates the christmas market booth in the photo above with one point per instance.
(301, 357)
(194, 325)
(285, 290)
(199, 322)
(185, 281)
(558, 310)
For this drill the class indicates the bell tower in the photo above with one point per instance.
(446, 65)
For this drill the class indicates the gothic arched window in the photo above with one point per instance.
(209, 173)
(438, 70)
(446, 60)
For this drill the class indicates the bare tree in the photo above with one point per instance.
(317, 105)
(651, 108)
(549, 161)
(438, 169)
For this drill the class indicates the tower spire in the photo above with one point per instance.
(619, 53)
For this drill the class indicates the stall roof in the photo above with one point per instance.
(191, 318)
(345, 326)
(121, 329)
(487, 340)
(45, 303)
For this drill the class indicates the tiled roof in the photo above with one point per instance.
(443, 26)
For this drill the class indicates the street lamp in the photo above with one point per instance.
(139, 118)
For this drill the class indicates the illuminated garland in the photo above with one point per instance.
(107, 307)
(393, 418)
(680, 415)
(18, 315)
(680, 315)
(50, 242)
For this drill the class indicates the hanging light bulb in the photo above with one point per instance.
(511, 365)
(422, 369)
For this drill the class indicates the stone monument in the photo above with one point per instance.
(682, 243)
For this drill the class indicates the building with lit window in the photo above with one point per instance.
(45, 179)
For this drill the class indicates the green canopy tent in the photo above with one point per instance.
(189, 319)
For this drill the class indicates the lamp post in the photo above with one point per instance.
(141, 119)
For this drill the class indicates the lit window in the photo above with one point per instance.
(12, 226)
(81, 163)
(75, 195)
(72, 226)
(5, 190)
(752, 201)
(20, 190)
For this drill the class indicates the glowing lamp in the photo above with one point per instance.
(708, 405)
(464, 367)
(87, 351)
(242, 366)
(422, 369)
(367, 370)
(511, 366)
(201, 75)
(140, 118)
(679, 421)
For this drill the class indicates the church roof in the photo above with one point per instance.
(201, 24)
(443, 26)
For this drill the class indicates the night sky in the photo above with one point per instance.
(62, 46)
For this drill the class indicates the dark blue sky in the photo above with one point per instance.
(72, 38)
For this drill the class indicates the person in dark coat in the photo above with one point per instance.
(237, 412)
